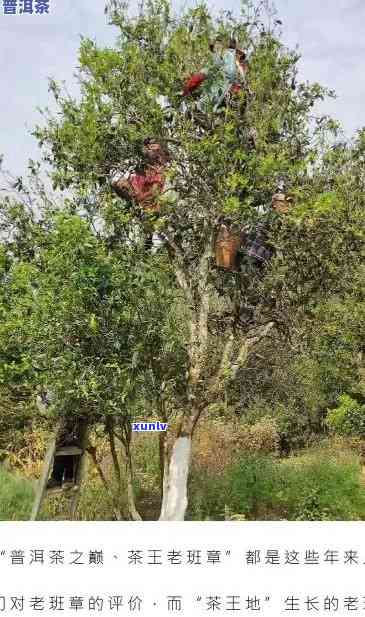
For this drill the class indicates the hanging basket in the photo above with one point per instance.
(226, 248)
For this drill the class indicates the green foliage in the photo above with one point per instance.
(322, 487)
(293, 428)
(312, 487)
(89, 324)
(88, 315)
(324, 204)
(348, 418)
(153, 55)
(16, 497)
(296, 381)
(245, 488)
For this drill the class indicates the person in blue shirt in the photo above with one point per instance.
(221, 79)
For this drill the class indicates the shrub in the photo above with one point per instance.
(292, 427)
(348, 418)
(217, 444)
(244, 488)
(320, 485)
(214, 445)
(261, 437)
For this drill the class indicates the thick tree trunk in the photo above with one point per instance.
(199, 388)
(176, 473)
(175, 499)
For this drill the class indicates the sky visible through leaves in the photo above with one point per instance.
(33, 48)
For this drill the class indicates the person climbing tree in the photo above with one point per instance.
(222, 79)
(257, 246)
(145, 185)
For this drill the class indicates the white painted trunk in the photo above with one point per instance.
(175, 497)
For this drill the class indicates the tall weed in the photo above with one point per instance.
(319, 485)
(16, 496)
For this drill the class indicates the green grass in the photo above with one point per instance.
(315, 486)
(16, 497)
(325, 483)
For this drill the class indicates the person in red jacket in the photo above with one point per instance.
(145, 185)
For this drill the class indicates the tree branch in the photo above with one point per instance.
(242, 355)
(109, 427)
(177, 258)
(92, 452)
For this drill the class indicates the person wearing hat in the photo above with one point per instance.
(281, 203)
(257, 247)
(145, 185)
